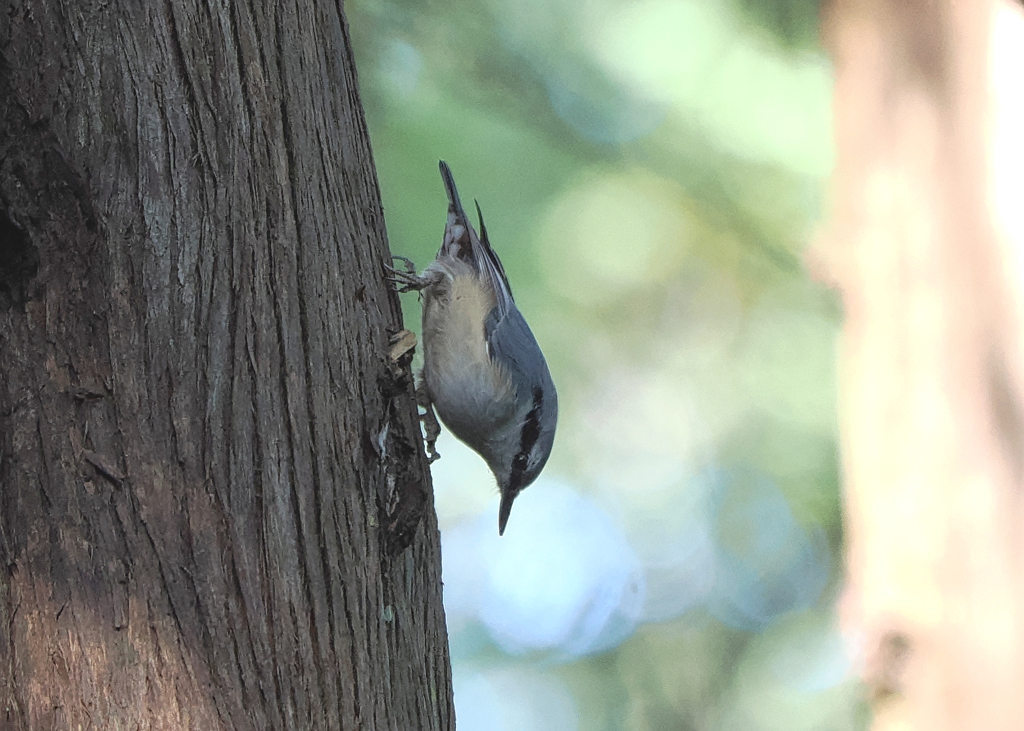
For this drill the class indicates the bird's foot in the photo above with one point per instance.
(406, 280)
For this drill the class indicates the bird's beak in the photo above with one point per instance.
(507, 496)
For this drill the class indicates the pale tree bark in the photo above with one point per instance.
(211, 475)
(927, 247)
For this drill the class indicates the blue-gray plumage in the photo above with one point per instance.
(483, 370)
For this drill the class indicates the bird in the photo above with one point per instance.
(483, 371)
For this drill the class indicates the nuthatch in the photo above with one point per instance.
(482, 368)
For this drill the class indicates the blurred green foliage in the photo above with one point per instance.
(651, 172)
(793, 22)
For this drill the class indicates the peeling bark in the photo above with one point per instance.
(211, 478)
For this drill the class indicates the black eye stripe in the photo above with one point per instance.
(527, 438)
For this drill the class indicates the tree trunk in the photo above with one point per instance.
(211, 475)
(926, 245)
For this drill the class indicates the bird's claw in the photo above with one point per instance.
(410, 268)
(405, 279)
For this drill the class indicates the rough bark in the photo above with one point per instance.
(932, 362)
(211, 477)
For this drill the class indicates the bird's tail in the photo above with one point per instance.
(462, 242)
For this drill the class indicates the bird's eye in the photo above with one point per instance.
(528, 437)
